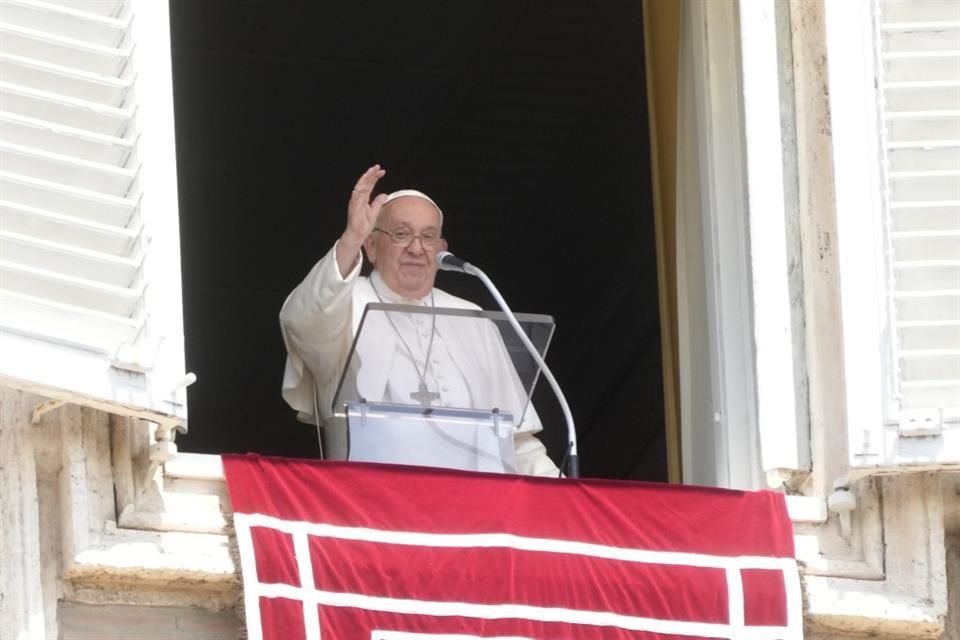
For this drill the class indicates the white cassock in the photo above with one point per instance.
(321, 316)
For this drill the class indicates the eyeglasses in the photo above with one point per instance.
(405, 237)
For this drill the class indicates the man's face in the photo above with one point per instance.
(408, 270)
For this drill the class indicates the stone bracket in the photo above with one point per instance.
(166, 537)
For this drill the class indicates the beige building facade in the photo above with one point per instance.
(808, 163)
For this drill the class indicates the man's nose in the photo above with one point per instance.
(416, 246)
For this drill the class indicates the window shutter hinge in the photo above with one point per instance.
(136, 357)
(916, 423)
(866, 448)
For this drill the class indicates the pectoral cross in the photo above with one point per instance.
(423, 395)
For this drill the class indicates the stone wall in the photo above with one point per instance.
(91, 528)
(131, 622)
(100, 541)
(951, 498)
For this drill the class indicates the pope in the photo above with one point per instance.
(401, 234)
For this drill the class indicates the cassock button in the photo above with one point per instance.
(444, 388)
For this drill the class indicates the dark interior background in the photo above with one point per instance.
(525, 120)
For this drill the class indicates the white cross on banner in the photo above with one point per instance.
(352, 551)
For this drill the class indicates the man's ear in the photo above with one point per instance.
(370, 247)
(443, 242)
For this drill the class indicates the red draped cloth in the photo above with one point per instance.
(352, 551)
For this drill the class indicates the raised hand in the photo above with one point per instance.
(361, 212)
(361, 218)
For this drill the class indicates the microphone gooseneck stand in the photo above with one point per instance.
(449, 262)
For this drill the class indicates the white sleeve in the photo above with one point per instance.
(530, 456)
(315, 322)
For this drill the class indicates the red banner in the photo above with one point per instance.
(351, 551)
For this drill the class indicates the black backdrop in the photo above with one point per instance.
(526, 121)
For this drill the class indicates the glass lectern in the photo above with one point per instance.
(436, 387)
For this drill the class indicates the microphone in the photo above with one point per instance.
(449, 262)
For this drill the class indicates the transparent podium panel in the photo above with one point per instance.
(450, 438)
(436, 386)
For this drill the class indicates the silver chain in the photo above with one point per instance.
(433, 332)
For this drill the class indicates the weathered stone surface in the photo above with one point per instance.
(22, 612)
(136, 622)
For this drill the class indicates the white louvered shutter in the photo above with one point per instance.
(90, 302)
(919, 89)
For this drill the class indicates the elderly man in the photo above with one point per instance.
(401, 234)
